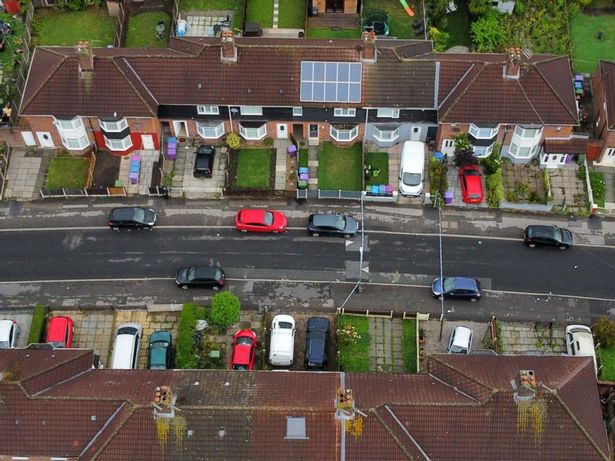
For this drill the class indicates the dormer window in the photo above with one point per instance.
(114, 125)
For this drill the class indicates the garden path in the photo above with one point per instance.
(385, 347)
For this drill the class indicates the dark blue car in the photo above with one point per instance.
(456, 287)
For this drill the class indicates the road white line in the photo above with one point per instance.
(338, 282)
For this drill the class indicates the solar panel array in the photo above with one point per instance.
(330, 81)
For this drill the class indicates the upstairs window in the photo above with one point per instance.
(388, 112)
(251, 110)
(114, 126)
(207, 110)
(344, 112)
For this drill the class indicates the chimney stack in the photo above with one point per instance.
(368, 52)
(229, 50)
(85, 56)
(512, 66)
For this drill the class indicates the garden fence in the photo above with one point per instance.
(5, 152)
(328, 194)
(23, 63)
(85, 192)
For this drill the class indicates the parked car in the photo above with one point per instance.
(160, 347)
(126, 347)
(457, 287)
(338, 225)
(461, 341)
(316, 343)
(282, 345)
(412, 166)
(60, 330)
(200, 276)
(244, 350)
(471, 184)
(548, 236)
(132, 217)
(204, 161)
(9, 331)
(255, 220)
(580, 342)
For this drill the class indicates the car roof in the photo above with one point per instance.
(5, 326)
(206, 272)
(160, 335)
(318, 323)
(251, 215)
(283, 318)
(462, 336)
(57, 327)
(540, 230)
(326, 220)
(465, 283)
(125, 212)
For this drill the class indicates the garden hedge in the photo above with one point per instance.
(37, 328)
(185, 356)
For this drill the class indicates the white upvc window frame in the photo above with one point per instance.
(483, 133)
(114, 127)
(72, 133)
(250, 110)
(378, 134)
(524, 132)
(483, 151)
(387, 112)
(523, 144)
(125, 143)
(522, 152)
(208, 110)
(344, 112)
(297, 111)
(203, 130)
(338, 135)
(253, 134)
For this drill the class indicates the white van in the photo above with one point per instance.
(282, 346)
(126, 348)
(411, 168)
(580, 342)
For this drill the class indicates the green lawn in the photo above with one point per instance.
(409, 345)
(339, 168)
(141, 31)
(8, 58)
(354, 357)
(260, 11)
(303, 157)
(325, 32)
(292, 14)
(209, 5)
(253, 168)
(458, 26)
(587, 49)
(607, 361)
(401, 23)
(67, 28)
(68, 172)
(378, 161)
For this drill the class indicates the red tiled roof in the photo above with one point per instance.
(472, 89)
(607, 71)
(267, 73)
(572, 145)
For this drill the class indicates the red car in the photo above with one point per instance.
(471, 184)
(244, 350)
(254, 220)
(60, 331)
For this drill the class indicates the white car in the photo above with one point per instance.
(461, 341)
(282, 345)
(580, 342)
(9, 330)
(126, 349)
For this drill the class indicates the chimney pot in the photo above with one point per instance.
(85, 56)
(229, 50)
(368, 52)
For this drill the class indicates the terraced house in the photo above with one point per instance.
(384, 92)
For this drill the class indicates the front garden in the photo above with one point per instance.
(339, 168)
(67, 172)
(251, 169)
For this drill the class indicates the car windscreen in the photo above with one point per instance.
(127, 331)
(244, 340)
(268, 218)
(411, 179)
(449, 284)
(285, 325)
(4, 344)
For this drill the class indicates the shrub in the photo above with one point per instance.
(232, 141)
(437, 176)
(495, 189)
(465, 158)
(604, 331)
(596, 179)
(224, 309)
(581, 173)
(439, 39)
(37, 328)
(185, 356)
(492, 163)
(462, 142)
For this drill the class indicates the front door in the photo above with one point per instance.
(148, 142)
(282, 131)
(609, 156)
(180, 128)
(415, 133)
(313, 131)
(44, 139)
(335, 6)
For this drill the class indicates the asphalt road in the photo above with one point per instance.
(95, 267)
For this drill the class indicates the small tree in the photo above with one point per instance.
(478, 7)
(465, 158)
(232, 141)
(604, 331)
(462, 142)
(225, 308)
(439, 39)
(488, 32)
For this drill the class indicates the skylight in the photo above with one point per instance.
(330, 81)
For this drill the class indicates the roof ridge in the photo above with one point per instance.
(578, 423)
(130, 82)
(461, 373)
(396, 439)
(59, 363)
(127, 411)
(548, 83)
(51, 72)
(530, 102)
(465, 89)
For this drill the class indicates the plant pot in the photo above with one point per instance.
(422, 353)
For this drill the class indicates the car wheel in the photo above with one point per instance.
(117, 229)
(244, 230)
(184, 287)
(347, 236)
(563, 247)
(531, 245)
(473, 300)
(215, 288)
(274, 232)
(315, 234)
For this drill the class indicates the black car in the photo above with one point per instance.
(332, 224)
(456, 287)
(316, 343)
(132, 217)
(204, 161)
(548, 236)
(160, 346)
(200, 276)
